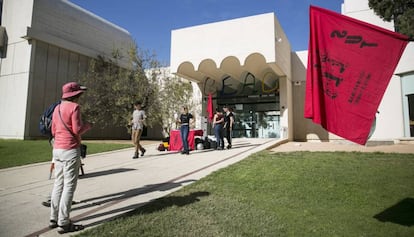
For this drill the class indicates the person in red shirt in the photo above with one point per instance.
(67, 128)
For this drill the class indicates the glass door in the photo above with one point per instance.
(268, 124)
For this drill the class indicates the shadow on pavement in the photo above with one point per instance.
(120, 196)
(165, 153)
(105, 172)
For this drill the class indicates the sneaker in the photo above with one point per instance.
(135, 156)
(69, 228)
(228, 146)
(46, 203)
(143, 151)
(53, 224)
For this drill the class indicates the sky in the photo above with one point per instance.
(150, 21)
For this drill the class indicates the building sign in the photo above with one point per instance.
(246, 85)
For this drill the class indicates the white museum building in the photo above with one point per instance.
(246, 63)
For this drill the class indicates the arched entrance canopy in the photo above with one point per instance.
(254, 74)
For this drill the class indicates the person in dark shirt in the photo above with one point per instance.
(228, 124)
(184, 121)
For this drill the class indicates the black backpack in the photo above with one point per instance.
(45, 123)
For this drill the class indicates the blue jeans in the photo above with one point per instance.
(184, 130)
(218, 131)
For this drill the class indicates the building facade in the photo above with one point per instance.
(241, 65)
(253, 70)
(45, 43)
(49, 42)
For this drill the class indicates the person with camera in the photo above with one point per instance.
(67, 128)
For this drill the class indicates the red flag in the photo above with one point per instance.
(350, 64)
(210, 112)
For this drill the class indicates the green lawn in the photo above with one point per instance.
(18, 152)
(285, 194)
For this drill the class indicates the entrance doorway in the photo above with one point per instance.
(255, 118)
(263, 124)
(411, 113)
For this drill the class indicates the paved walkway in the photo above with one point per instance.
(114, 184)
(341, 145)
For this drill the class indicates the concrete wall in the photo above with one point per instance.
(304, 129)
(14, 68)
(390, 123)
(359, 9)
(216, 41)
(51, 68)
(68, 26)
(390, 120)
(50, 42)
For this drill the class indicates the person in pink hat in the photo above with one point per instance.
(67, 128)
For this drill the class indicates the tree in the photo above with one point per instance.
(400, 11)
(113, 89)
(173, 94)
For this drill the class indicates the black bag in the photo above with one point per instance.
(206, 144)
(45, 123)
(83, 149)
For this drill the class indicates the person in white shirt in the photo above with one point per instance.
(138, 118)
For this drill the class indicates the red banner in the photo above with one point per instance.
(350, 64)
(210, 110)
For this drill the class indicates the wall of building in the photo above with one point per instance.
(51, 43)
(216, 42)
(304, 129)
(391, 121)
(14, 68)
(51, 68)
(359, 9)
(227, 57)
(71, 27)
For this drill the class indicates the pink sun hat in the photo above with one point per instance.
(71, 89)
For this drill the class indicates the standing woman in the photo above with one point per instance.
(67, 128)
(218, 121)
(184, 121)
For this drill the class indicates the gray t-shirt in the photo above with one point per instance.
(138, 117)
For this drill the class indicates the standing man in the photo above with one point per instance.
(138, 118)
(67, 128)
(228, 124)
